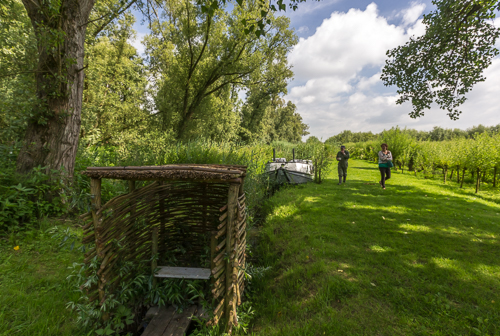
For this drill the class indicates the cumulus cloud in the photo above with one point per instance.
(344, 44)
(137, 43)
(411, 14)
(303, 29)
(337, 82)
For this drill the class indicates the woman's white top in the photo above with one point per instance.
(383, 158)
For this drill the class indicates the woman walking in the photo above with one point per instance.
(384, 164)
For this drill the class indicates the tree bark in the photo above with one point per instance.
(463, 177)
(478, 179)
(52, 133)
(494, 177)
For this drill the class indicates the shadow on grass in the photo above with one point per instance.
(397, 261)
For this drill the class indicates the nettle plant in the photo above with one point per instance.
(31, 197)
(122, 310)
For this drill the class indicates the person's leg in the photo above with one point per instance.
(387, 173)
(345, 172)
(382, 176)
(340, 174)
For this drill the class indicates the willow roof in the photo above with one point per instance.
(195, 172)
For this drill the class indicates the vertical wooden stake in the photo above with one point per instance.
(131, 186)
(232, 199)
(95, 200)
(241, 191)
(213, 246)
(154, 252)
(131, 189)
(163, 222)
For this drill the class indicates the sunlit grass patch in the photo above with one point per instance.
(376, 248)
(416, 228)
(419, 258)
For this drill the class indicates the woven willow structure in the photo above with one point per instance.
(189, 216)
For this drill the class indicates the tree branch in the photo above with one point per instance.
(112, 17)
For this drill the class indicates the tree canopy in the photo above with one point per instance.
(205, 74)
(448, 60)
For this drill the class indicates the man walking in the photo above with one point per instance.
(342, 158)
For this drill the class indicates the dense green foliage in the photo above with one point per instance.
(436, 134)
(17, 84)
(479, 156)
(197, 64)
(419, 258)
(444, 64)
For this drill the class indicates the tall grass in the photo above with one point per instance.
(159, 152)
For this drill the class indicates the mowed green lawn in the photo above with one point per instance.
(418, 258)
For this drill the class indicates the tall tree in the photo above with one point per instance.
(200, 57)
(17, 58)
(52, 133)
(53, 128)
(444, 64)
(114, 107)
(287, 122)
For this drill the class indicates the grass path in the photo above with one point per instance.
(33, 288)
(418, 258)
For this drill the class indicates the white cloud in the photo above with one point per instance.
(337, 82)
(303, 29)
(137, 43)
(344, 44)
(411, 14)
(307, 8)
(418, 29)
(366, 83)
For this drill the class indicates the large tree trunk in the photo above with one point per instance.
(51, 138)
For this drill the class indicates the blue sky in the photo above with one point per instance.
(337, 65)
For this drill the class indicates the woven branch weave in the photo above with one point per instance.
(186, 214)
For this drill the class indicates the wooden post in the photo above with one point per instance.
(154, 252)
(95, 201)
(213, 246)
(131, 189)
(131, 186)
(241, 191)
(232, 199)
(163, 222)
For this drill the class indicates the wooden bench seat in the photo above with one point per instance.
(183, 273)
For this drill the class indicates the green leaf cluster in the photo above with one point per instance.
(443, 65)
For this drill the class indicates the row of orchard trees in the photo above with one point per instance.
(477, 158)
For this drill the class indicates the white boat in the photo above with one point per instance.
(295, 171)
